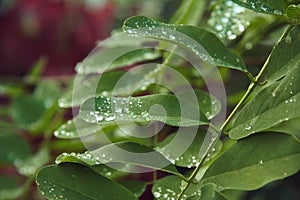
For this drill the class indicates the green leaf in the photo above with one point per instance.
(9, 188)
(271, 106)
(189, 12)
(190, 157)
(274, 7)
(159, 107)
(134, 154)
(136, 187)
(202, 42)
(77, 182)
(27, 112)
(286, 51)
(169, 187)
(30, 165)
(13, 147)
(255, 161)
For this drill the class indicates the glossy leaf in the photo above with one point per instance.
(271, 106)
(136, 187)
(133, 154)
(203, 43)
(77, 182)
(286, 51)
(274, 7)
(169, 187)
(255, 161)
(159, 107)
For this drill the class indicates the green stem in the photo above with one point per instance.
(230, 117)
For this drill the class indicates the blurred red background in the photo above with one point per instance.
(62, 31)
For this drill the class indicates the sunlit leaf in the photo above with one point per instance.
(255, 161)
(77, 182)
(203, 43)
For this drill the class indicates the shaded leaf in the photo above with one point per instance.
(210, 191)
(254, 162)
(203, 43)
(77, 182)
(274, 7)
(291, 127)
(136, 187)
(271, 106)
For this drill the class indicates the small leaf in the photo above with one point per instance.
(136, 187)
(274, 7)
(159, 107)
(203, 43)
(170, 187)
(271, 106)
(77, 182)
(255, 161)
(134, 154)
(291, 127)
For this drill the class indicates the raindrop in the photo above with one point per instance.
(260, 162)
(248, 127)
(288, 39)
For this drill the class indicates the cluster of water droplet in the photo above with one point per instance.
(229, 20)
(63, 132)
(163, 193)
(86, 157)
(48, 187)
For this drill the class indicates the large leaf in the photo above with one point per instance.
(271, 106)
(133, 154)
(170, 188)
(77, 182)
(275, 7)
(291, 127)
(136, 187)
(202, 42)
(254, 162)
(159, 107)
(286, 50)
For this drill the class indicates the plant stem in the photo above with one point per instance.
(230, 117)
